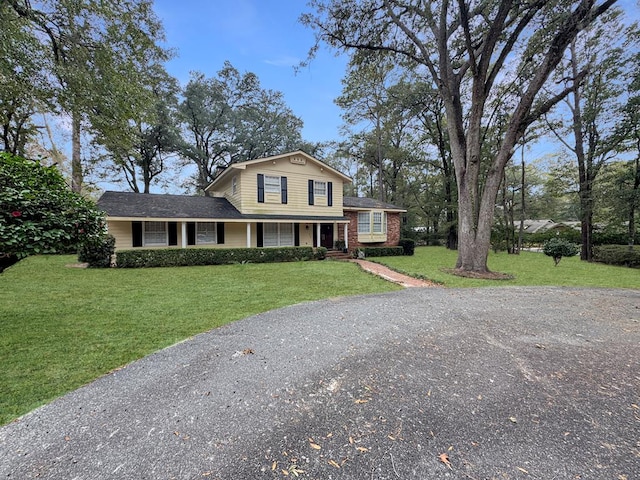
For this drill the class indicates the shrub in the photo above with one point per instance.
(178, 257)
(38, 212)
(617, 255)
(558, 248)
(97, 251)
(382, 251)
(321, 253)
(408, 245)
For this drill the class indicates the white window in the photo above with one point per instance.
(271, 184)
(205, 233)
(234, 185)
(378, 222)
(155, 233)
(277, 235)
(364, 222)
(320, 188)
(286, 234)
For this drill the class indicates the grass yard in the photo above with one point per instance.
(62, 327)
(528, 268)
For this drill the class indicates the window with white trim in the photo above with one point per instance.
(364, 222)
(205, 233)
(378, 222)
(155, 233)
(271, 184)
(277, 235)
(319, 188)
(234, 185)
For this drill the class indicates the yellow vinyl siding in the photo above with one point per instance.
(121, 231)
(298, 177)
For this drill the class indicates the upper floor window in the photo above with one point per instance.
(234, 185)
(271, 184)
(320, 188)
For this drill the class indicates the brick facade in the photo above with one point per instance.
(393, 231)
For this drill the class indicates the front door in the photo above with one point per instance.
(326, 235)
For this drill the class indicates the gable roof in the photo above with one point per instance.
(298, 153)
(355, 203)
(151, 205)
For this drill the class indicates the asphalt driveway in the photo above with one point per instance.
(422, 383)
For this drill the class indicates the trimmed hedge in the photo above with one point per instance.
(617, 255)
(182, 257)
(381, 251)
(97, 252)
(408, 246)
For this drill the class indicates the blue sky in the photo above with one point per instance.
(266, 38)
(263, 37)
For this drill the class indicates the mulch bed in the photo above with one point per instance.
(479, 275)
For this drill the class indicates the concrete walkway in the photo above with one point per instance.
(393, 276)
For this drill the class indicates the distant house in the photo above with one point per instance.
(284, 200)
(539, 226)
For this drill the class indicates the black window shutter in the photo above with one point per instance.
(259, 234)
(260, 188)
(220, 233)
(283, 189)
(191, 233)
(296, 234)
(136, 234)
(330, 194)
(173, 234)
(310, 192)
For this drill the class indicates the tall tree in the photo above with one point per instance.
(25, 85)
(468, 49)
(138, 145)
(231, 118)
(96, 49)
(593, 72)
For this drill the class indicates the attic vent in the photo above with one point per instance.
(298, 160)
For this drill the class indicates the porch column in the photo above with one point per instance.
(318, 235)
(183, 228)
(346, 235)
(248, 235)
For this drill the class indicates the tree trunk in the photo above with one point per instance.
(634, 202)
(76, 162)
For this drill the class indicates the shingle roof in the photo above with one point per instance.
(359, 202)
(149, 205)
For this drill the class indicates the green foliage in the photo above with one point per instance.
(382, 251)
(558, 248)
(408, 246)
(539, 238)
(321, 253)
(231, 118)
(98, 251)
(180, 257)
(39, 214)
(617, 255)
(527, 268)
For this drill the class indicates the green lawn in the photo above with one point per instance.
(528, 268)
(62, 327)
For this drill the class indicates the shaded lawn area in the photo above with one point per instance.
(63, 327)
(528, 268)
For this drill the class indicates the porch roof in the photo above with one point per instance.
(354, 203)
(131, 205)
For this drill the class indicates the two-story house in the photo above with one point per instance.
(291, 199)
